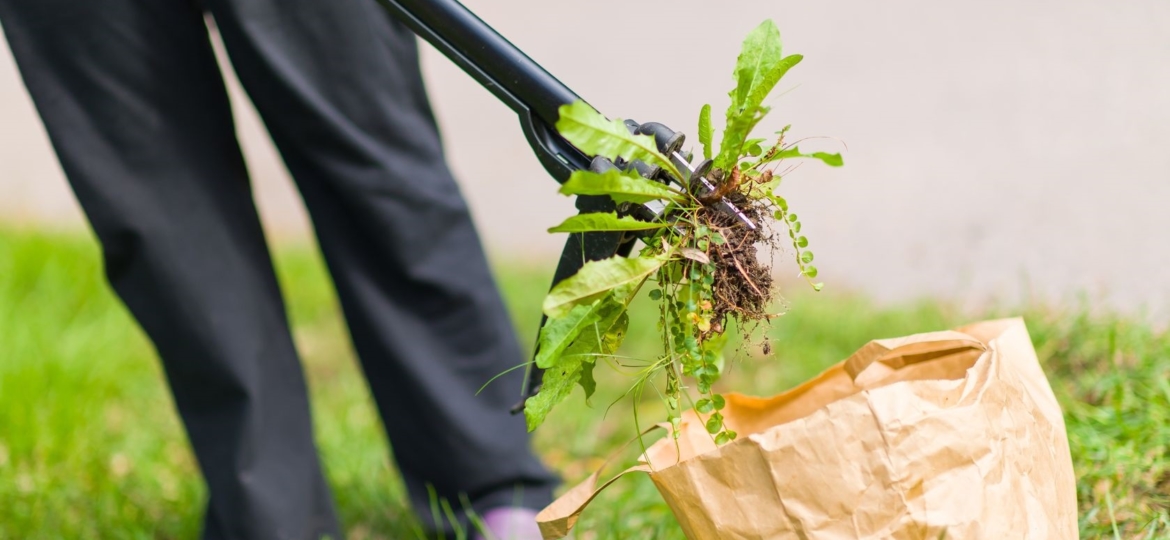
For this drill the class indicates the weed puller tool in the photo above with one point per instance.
(536, 96)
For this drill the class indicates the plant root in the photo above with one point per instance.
(743, 284)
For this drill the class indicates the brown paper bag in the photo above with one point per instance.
(952, 435)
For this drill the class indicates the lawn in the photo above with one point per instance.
(90, 446)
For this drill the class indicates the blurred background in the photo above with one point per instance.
(995, 149)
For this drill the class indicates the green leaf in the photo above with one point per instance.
(810, 271)
(603, 337)
(705, 131)
(714, 346)
(722, 438)
(752, 147)
(603, 222)
(704, 406)
(575, 365)
(758, 69)
(588, 384)
(559, 332)
(555, 386)
(656, 294)
(737, 130)
(715, 423)
(719, 402)
(806, 257)
(765, 84)
(613, 338)
(832, 160)
(585, 329)
(619, 185)
(760, 52)
(593, 134)
(802, 241)
(595, 278)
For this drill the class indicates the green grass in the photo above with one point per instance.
(90, 446)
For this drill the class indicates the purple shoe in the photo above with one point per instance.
(510, 523)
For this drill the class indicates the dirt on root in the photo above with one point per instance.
(743, 283)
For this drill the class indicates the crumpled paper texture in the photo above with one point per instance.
(952, 435)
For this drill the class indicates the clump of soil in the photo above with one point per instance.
(743, 284)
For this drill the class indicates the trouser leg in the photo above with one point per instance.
(136, 110)
(339, 87)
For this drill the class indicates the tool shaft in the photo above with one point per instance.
(484, 54)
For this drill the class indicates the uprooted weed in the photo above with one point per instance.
(703, 265)
(743, 283)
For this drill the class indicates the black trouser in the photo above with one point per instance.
(134, 104)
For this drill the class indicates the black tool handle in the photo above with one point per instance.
(536, 96)
(501, 68)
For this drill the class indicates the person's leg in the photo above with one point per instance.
(137, 112)
(339, 88)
